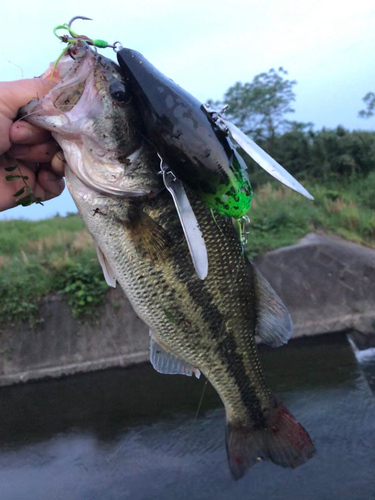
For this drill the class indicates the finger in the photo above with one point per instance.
(24, 133)
(10, 186)
(40, 153)
(5, 124)
(51, 184)
(58, 163)
(20, 93)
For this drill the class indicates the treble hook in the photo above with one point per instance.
(243, 232)
(73, 37)
(116, 46)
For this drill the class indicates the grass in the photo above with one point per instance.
(53, 255)
(57, 255)
(280, 217)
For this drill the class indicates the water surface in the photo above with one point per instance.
(132, 433)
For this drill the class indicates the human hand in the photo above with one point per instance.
(32, 149)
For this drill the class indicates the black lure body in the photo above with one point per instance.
(198, 152)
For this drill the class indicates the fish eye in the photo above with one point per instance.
(118, 92)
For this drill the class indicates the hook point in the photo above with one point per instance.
(78, 17)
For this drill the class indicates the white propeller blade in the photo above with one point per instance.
(264, 159)
(189, 223)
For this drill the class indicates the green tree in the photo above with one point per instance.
(259, 107)
(369, 100)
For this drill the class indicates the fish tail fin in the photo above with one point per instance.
(283, 441)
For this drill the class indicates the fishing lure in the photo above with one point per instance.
(198, 151)
(189, 223)
(196, 141)
(254, 151)
(73, 37)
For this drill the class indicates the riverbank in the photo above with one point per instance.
(326, 283)
(56, 256)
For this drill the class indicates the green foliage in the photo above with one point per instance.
(280, 217)
(259, 107)
(30, 198)
(369, 100)
(49, 256)
(325, 155)
(22, 284)
(52, 235)
(84, 289)
(328, 154)
(17, 303)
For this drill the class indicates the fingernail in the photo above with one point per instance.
(18, 150)
(52, 177)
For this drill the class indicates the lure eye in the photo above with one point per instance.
(118, 92)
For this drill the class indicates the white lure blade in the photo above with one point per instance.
(264, 159)
(189, 223)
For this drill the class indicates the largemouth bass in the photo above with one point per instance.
(196, 326)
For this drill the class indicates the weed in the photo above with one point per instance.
(49, 256)
(84, 289)
(7, 353)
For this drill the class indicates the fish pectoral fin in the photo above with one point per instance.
(168, 363)
(108, 273)
(149, 236)
(274, 324)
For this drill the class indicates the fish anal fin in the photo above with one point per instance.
(108, 273)
(274, 324)
(283, 441)
(168, 363)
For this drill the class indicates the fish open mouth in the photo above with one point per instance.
(70, 73)
(78, 112)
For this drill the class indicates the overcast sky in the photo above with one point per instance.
(207, 45)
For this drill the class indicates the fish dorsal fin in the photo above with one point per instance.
(274, 324)
(109, 275)
(168, 363)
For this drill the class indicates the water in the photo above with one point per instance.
(366, 360)
(131, 433)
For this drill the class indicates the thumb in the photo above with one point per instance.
(15, 94)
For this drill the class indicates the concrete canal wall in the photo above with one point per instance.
(327, 284)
